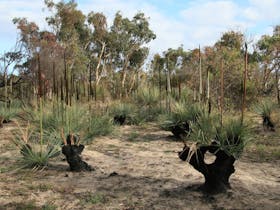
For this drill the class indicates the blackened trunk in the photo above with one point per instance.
(73, 152)
(217, 173)
(267, 124)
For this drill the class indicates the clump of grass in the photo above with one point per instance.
(90, 198)
(233, 137)
(9, 113)
(264, 109)
(34, 154)
(57, 116)
(123, 113)
(147, 96)
(133, 136)
(182, 115)
(98, 125)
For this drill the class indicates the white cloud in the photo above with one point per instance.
(260, 10)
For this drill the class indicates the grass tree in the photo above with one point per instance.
(264, 109)
(34, 155)
(123, 113)
(179, 120)
(226, 143)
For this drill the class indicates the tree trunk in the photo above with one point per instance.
(66, 79)
(244, 84)
(97, 74)
(217, 173)
(200, 78)
(277, 86)
(222, 93)
(208, 91)
(73, 153)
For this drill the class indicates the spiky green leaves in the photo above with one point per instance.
(264, 108)
(231, 138)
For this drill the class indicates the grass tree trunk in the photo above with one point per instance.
(216, 174)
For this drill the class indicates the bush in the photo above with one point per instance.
(264, 109)
(57, 116)
(124, 111)
(147, 96)
(98, 126)
(10, 112)
(180, 118)
(34, 155)
(226, 143)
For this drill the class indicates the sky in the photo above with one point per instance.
(175, 22)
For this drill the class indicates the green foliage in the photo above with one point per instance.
(147, 114)
(124, 109)
(91, 198)
(232, 137)
(70, 118)
(33, 154)
(98, 126)
(10, 112)
(36, 158)
(182, 112)
(264, 108)
(147, 96)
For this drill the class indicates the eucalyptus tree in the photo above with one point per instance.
(97, 47)
(157, 67)
(126, 39)
(268, 47)
(68, 23)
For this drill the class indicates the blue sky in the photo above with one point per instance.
(175, 22)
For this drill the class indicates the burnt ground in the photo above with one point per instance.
(136, 168)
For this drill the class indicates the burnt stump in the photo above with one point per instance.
(217, 173)
(73, 153)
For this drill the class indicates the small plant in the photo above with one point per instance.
(70, 118)
(132, 136)
(178, 121)
(91, 198)
(123, 113)
(98, 126)
(7, 114)
(147, 96)
(265, 109)
(34, 155)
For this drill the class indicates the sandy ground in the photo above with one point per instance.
(137, 168)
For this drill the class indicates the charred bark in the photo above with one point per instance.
(72, 151)
(267, 124)
(181, 130)
(217, 173)
(119, 119)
